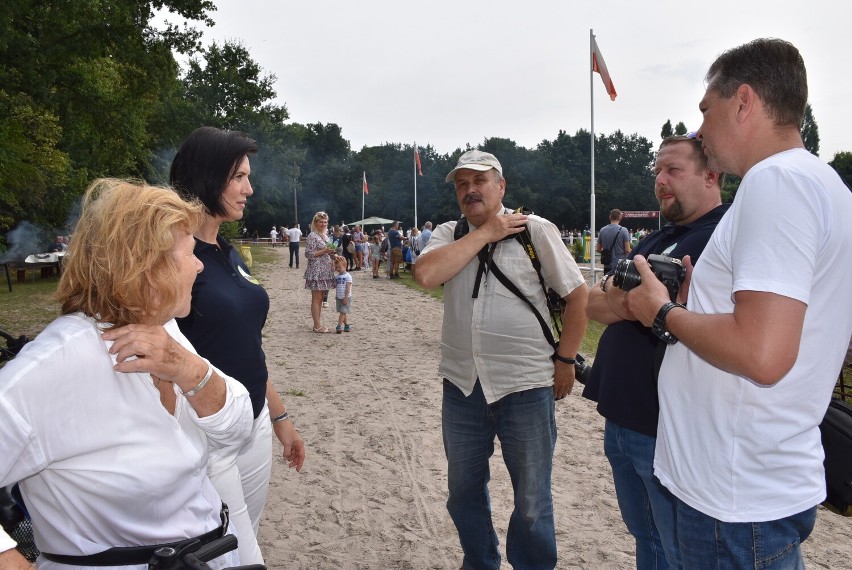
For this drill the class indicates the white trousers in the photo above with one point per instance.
(241, 475)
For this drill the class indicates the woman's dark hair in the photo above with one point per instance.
(205, 163)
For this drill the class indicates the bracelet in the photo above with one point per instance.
(201, 384)
(603, 283)
(281, 418)
(560, 358)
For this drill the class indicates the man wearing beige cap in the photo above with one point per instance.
(501, 375)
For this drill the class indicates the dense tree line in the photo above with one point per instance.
(91, 89)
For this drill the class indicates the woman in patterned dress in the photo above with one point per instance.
(319, 275)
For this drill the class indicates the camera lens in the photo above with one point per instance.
(625, 276)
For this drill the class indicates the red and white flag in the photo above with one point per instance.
(417, 161)
(366, 190)
(599, 66)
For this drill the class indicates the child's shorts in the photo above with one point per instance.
(341, 308)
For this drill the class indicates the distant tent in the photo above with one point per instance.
(371, 221)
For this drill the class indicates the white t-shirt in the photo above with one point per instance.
(100, 461)
(496, 337)
(342, 280)
(295, 234)
(273, 235)
(727, 446)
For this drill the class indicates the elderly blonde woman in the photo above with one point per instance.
(106, 417)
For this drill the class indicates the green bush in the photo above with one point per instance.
(230, 230)
(579, 250)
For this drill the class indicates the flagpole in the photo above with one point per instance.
(414, 161)
(592, 108)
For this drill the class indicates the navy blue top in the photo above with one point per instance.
(623, 379)
(229, 309)
(395, 238)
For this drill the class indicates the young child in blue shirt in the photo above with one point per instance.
(343, 294)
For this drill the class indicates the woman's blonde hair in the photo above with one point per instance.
(318, 216)
(120, 267)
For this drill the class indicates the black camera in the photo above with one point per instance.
(669, 270)
(582, 371)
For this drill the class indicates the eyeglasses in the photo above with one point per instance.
(690, 136)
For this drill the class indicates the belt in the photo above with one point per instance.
(128, 555)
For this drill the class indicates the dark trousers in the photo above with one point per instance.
(294, 251)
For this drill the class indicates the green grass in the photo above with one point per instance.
(262, 255)
(408, 281)
(29, 307)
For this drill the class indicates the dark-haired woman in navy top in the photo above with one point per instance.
(229, 309)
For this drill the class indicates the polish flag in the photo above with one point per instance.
(417, 161)
(599, 66)
(366, 190)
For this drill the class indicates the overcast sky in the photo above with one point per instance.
(453, 72)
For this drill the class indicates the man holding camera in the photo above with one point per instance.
(763, 335)
(623, 379)
(500, 378)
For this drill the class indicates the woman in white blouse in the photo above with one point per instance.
(106, 417)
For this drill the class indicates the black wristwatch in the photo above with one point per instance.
(659, 326)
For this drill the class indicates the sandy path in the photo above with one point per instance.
(372, 492)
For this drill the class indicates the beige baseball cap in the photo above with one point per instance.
(476, 160)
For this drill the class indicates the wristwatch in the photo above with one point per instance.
(659, 326)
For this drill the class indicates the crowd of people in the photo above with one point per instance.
(326, 252)
(157, 428)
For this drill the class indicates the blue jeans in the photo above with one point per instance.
(710, 543)
(526, 425)
(647, 508)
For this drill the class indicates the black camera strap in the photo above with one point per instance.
(545, 328)
(486, 264)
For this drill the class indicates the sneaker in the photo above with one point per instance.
(345, 328)
(325, 303)
(339, 330)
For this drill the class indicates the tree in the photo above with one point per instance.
(227, 89)
(84, 81)
(32, 165)
(667, 129)
(680, 129)
(842, 163)
(810, 131)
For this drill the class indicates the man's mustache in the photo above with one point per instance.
(472, 198)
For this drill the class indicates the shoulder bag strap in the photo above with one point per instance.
(545, 328)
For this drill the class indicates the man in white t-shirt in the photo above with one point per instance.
(294, 235)
(765, 329)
